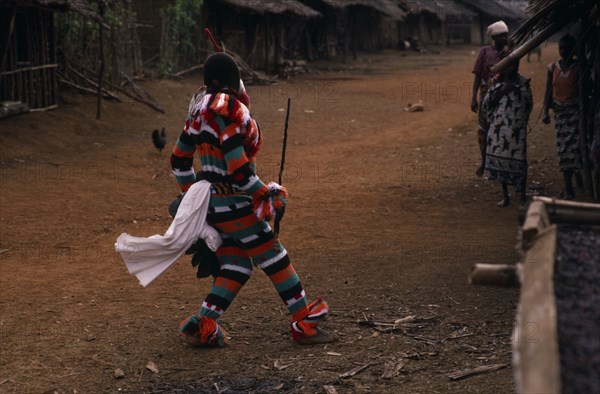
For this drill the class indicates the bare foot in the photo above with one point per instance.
(479, 171)
(579, 181)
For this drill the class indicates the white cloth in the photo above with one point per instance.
(497, 28)
(148, 258)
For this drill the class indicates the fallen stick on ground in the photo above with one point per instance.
(356, 370)
(465, 373)
(143, 95)
(392, 369)
(329, 389)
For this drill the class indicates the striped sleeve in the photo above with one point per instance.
(182, 160)
(241, 170)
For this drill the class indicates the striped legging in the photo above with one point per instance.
(248, 241)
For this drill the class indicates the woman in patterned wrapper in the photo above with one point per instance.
(227, 139)
(507, 107)
(562, 96)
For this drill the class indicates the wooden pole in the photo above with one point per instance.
(101, 54)
(583, 107)
(530, 45)
(267, 41)
(279, 215)
(11, 27)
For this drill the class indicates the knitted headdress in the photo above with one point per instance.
(221, 71)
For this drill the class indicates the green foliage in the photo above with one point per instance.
(78, 36)
(180, 35)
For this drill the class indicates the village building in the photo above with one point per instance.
(29, 64)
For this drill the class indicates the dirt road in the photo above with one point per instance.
(385, 219)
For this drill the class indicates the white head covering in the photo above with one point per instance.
(497, 28)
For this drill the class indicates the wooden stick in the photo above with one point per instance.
(189, 70)
(583, 82)
(93, 83)
(502, 275)
(53, 106)
(101, 54)
(285, 136)
(87, 90)
(356, 370)
(530, 45)
(118, 88)
(143, 94)
(279, 215)
(465, 373)
(11, 27)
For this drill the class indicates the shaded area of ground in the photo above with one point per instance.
(385, 219)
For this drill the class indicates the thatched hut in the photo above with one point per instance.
(490, 11)
(263, 32)
(28, 50)
(149, 21)
(436, 22)
(353, 25)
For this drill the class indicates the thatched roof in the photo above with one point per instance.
(385, 7)
(273, 7)
(440, 8)
(495, 9)
(80, 6)
(542, 14)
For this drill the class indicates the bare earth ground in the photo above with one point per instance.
(385, 220)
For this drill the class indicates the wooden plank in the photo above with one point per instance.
(535, 339)
(503, 275)
(561, 211)
(8, 108)
(566, 203)
(535, 222)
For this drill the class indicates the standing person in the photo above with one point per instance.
(488, 56)
(227, 140)
(507, 107)
(562, 96)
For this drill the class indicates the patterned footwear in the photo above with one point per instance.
(203, 332)
(305, 330)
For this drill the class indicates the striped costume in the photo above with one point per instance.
(225, 136)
